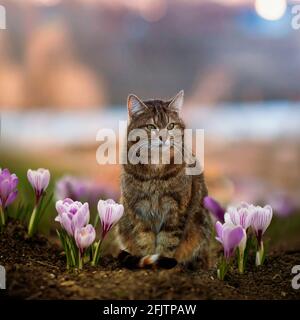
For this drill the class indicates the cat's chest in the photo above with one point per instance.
(156, 206)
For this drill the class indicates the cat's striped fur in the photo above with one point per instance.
(164, 221)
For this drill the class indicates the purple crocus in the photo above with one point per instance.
(71, 187)
(82, 189)
(84, 237)
(8, 188)
(39, 180)
(230, 236)
(214, 207)
(261, 219)
(283, 204)
(240, 216)
(110, 213)
(72, 215)
(8, 191)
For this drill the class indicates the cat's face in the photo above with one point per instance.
(159, 119)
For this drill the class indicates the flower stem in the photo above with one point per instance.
(241, 261)
(2, 217)
(32, 222)
(222, 269)
(72, 251)
(260, 254)
(80, 258)
(96, 254)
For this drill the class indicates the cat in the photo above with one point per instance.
(164, 221)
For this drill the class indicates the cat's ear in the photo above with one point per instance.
(135, 105)
(177, 102)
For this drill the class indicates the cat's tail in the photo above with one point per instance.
(146, 262)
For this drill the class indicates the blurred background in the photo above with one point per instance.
(67, 66)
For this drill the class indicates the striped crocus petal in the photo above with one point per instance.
(107, 220)
(110, 213)
(240, 216)
(261, 220)
(72, 215)
(39, 180)
(84, 237)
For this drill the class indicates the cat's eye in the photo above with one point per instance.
(150, 127)
(171, 126)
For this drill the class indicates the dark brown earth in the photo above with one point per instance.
(36, 270)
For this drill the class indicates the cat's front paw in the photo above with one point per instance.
(166, 263)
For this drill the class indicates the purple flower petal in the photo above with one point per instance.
(11, 198)
(84, 237)
(82, 189)
(39, 180)
(72, 215)
(232, 239)
(219, 229)
(240, 216)
(261, 220)
(214, 207)
(110, 213)
(66, 223)
(230, 236)
(8, 187)
(82, 217)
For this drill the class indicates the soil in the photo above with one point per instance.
(36, 270)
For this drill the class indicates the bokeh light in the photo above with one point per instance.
(271, 10)
(152, 10)
(47, 2)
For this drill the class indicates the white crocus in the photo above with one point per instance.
(261, 219)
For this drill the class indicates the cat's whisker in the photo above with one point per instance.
(187, 152)
(139, 145)
(136, 148)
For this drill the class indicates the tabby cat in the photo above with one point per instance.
(164, 221)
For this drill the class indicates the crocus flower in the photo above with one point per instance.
(71, 187)
(110, 213)
(84, 237)
(8, 191)
(39, 180)
(82, 189)
(261, 220)
(283, 204)
(8, 187)
(230, 236)
(214, 207)
(72, 215)
(240, 216)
